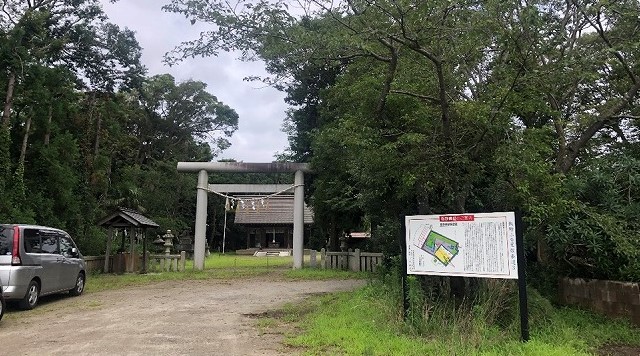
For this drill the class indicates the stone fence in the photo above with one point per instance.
(122, 262)
(159, 263)
(611, 298)
(356, 260)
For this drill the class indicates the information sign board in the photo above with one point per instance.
(468, 245)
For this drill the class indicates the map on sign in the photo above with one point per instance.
(474, 245)
(439, 246)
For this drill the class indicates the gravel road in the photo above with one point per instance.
(169, 318)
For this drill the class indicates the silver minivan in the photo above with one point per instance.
(2, 304)
(36, 261)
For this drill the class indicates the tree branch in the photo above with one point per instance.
(4, 4)
(616, 128)
(597, 25)
(634, 117)
(391, 72)
(565, 163)
(430, 99)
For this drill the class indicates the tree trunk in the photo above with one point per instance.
(8, 101)
(213, 229)
(47, 135)
(391, 72)
(25, 139)
(96, 146)
(332, 245)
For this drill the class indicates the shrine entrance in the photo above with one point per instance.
(204, 168)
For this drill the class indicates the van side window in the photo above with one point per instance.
(6, 240)
(31, 241)
(49, 242)
(66, 245)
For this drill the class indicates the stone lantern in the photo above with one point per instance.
(168, 238)
(343, 241)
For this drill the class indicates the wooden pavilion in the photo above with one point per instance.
(131, 221)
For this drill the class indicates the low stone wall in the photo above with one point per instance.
(611, 298)
(160, 263)
(356, 260)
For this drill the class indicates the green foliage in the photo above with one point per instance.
(435, 107)
(83, 130)
(598, 236)
(5, 169)
(368, 321)
(21, 211)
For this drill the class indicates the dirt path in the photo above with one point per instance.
(168, 318)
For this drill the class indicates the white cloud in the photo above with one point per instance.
(261, 109)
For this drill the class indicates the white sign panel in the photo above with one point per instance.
(469, 245)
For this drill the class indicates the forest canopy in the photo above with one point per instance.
(84, 129)
(407, 107)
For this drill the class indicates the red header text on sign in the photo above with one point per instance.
(448, 218)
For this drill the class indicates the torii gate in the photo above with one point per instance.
(204, 168)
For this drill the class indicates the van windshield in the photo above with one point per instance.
(6, 240)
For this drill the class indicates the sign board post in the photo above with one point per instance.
(484, 245)
(405, 284)
(522, 283)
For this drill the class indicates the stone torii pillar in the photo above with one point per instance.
(204, 168)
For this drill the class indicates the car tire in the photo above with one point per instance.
(3, 305)
(30, 299)
(79, 288)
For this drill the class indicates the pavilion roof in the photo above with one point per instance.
(125, 217)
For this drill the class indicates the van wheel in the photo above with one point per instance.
(2, 304)
(79, 288)
(30, 300)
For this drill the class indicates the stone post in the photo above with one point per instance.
(357, 264)
(298, 220)
(344, 259)
(183, 260)
(201, 220)
(168, 238)
(312, 258)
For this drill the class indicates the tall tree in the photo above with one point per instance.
(176, 116)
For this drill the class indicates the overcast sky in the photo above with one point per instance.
(261, 109)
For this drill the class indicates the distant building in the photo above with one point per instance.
(269, 222)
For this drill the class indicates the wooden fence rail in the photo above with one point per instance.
(356, 260)
(96, 263)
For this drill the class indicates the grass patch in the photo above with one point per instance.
(368, 322)
(216, 266)
(219, 260)
(219, 266)
(110, 281)
(323, 274)
(268, 325)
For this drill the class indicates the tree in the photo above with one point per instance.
(48, 49)
(176, 117)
